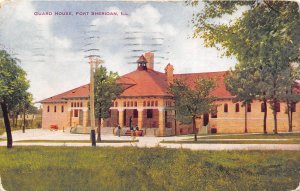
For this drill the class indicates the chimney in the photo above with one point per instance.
(169, 73)
(150, 60)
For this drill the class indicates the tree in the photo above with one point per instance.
(242, 83)
(191, 102)
(13, 87)
(106, 90)
(264, 36)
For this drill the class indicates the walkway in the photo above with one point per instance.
(42, 134)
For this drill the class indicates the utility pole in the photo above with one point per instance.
(94, 63)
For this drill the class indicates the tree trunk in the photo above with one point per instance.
(194, 128)
(7, 125)
(289, 112)
(24, 120)
(275, 116)
(99, 130)
(246, 121)
(265, 116)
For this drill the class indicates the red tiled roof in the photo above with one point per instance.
(146, 83)
(220, 90)
(82, 91)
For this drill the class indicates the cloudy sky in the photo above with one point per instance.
(53, 48)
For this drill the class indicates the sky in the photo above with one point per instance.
(53, 48)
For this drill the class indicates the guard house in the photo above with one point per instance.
(146, 100)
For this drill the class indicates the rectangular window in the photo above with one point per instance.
(248, 107)
(149, 113)
(214, 113)
(62, 108)
(293, 108)
(76, 113)
(135, 113)
(277, 106)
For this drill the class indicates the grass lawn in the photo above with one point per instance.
(130, 168)
(256, 136)
(75, 141)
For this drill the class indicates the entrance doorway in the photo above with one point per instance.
(205, 119)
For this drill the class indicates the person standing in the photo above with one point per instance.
(119, 130)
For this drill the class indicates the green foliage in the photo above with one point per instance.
(61, 168)
(106, 90)
(265, 41)
(13, 82)
(192, 101)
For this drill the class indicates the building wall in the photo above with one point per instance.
(234, 122)
(51, 117)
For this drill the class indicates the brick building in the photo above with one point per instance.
(146, 100)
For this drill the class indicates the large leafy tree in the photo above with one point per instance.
(265, 37)
(192, 102)
(106, 90)
(13, 88)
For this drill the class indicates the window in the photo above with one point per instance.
(131, 103)
(116, 104)
(48, 108)
(237, 107)
(225, 108)
(149, 113)
(135, 113)
(144, 104)
(152, 103)
(128, 104)
(135, 104)
(109, 113)
(262, 107)
(156, 103)
(214, 112)
(62, 108)
(293, 107)
(248, 107)
(72, 104)
(80, 104)
(76, 113)
(277, 106)
(148, 103)
(55, 108)
(124, 103)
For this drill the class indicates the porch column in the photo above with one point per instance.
(121, 117)
(161, 122)
(140, 118)
(84, 119)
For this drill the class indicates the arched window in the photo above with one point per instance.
(55, 108)
(152, 103)
(80, 104)
(156, 103)
(277, 106)
(131, 103)
(135, 104)
(48, 108)
(144, 104)
(128, 104)
(71, 104)
(214, 112)
(62, 108)
(262, 107)
(237, 107)
(225, 108)
(148, 103)
(248, 107)
(77, 104)
(293, 107)
(124, 103)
